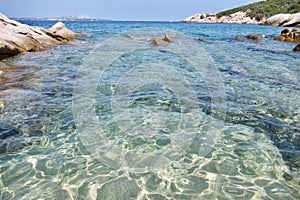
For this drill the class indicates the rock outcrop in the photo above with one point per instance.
(286, 20)
(201, 17)
(159, 42)
(16, 37)
(289, 35)
(238, 18)
(167, 38)
(60, 29)
(234, 18)
(278, 20)
(254, 37)
(162, 41)
(297, 48)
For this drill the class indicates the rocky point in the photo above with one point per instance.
(16, 37)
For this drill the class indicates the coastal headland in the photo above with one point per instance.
(270, 12)
(285, 20)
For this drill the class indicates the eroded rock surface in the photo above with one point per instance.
(16, 37)
(287, 20)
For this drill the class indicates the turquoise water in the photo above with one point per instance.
(110, 116)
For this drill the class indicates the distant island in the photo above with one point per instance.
(254, 13)
(69, 18)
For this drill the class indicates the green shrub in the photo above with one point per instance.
(266, 8)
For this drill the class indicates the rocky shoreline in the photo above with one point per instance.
(286, 20)
(287, 35)
(235, 18)
(16, 38)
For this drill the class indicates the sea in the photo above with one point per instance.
(111, 116)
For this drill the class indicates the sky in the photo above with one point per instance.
(117, 9)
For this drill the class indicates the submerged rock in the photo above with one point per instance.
(201, 39)
(16, 37)
(238, 69)
(296, 141)
(6, 132)
(240, 38)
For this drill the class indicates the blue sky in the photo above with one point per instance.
(116, 9)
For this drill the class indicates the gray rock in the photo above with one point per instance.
(278, 20)
(167, 38)
(16, 37)
(287, 20)
(60, 29)
(162, 42)
(236, 18)
(294, 21)
(159, 42)
(7, 50)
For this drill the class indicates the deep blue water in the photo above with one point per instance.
(110, 116)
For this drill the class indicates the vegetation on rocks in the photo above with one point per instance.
(267, 8)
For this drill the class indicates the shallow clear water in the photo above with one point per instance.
(112, 117)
